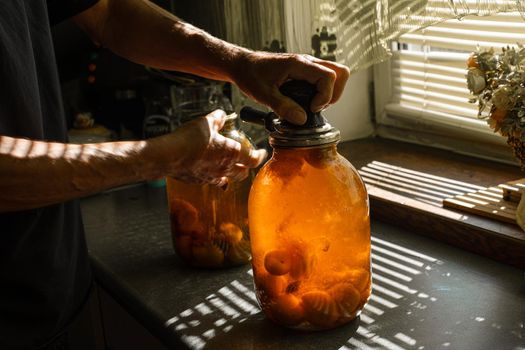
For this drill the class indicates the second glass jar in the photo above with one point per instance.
(209, 224)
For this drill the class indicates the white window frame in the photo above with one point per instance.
(394, 121)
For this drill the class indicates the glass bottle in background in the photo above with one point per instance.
(158, 119)
(309, 224)
(198, 99)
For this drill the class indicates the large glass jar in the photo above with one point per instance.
(209, 224)
(310, 230)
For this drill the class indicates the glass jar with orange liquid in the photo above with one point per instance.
(209, 224)
(309, 224)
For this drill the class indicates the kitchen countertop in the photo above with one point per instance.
(426, 294)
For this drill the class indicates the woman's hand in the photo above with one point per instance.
(198, 153)
(260, 74)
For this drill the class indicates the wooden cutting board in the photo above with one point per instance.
(512, 190)
(497, 202)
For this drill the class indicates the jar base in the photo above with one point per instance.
(306, 326)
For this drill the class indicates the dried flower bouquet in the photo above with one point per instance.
(498, 82)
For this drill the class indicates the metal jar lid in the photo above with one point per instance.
(284, 136)
(315, 131)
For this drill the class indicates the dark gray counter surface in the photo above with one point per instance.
(426, 295)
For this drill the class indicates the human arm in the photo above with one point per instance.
(59, 172)
(146, 34)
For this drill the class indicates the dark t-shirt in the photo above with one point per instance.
(44, 266)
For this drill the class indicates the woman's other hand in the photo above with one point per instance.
(198, 153)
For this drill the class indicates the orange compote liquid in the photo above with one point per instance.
(310, 238)
(209, 224)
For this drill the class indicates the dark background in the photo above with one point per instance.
(111, 88)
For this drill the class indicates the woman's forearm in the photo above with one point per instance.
(38, 173)
(147, 34)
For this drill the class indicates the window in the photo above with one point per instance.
(421, 92)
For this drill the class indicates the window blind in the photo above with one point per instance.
(429, 67)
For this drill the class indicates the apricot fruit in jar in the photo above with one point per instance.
(288, 310)
(320, 309)
(239, 253)
(232, 233)
(207, 256)
(278, 262)
(185, 213)
(360, 278)
(271, 285)
(346, 297)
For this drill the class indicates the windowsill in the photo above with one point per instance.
(404, 205)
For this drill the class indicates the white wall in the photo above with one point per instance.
(351, 114)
